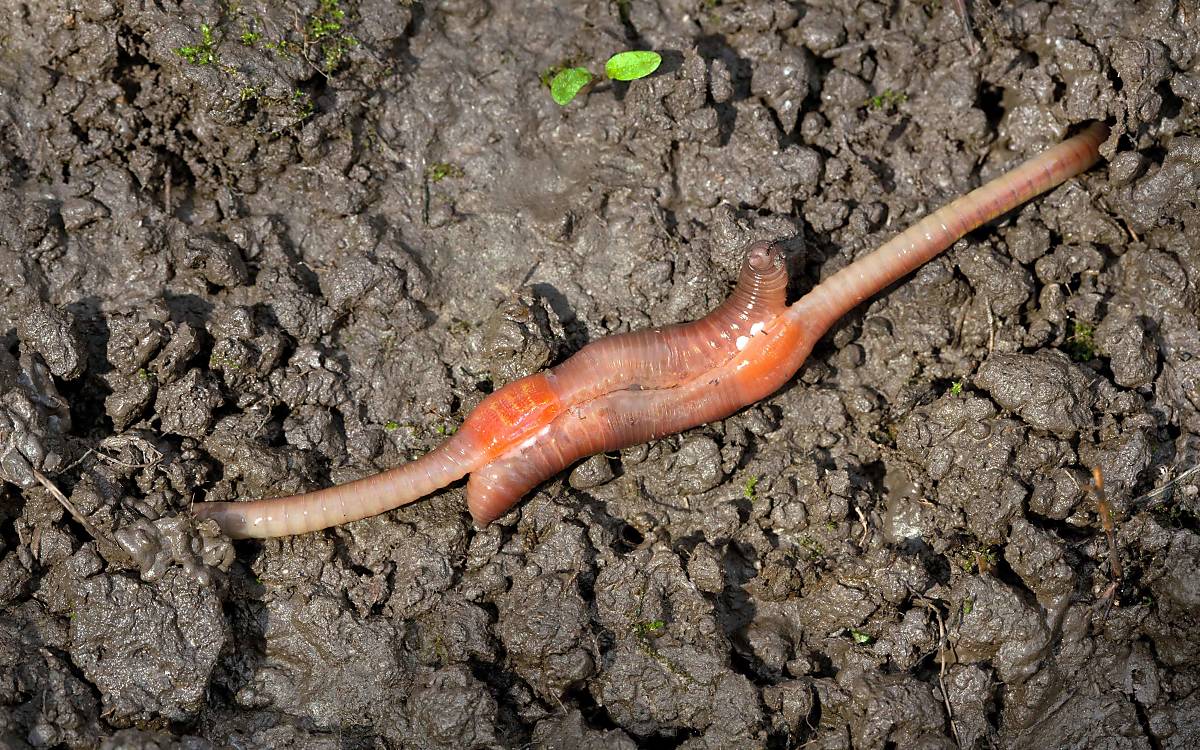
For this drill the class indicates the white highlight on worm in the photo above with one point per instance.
(741, 342)
(532, 439)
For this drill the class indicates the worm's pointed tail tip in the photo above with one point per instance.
(232, 525)
(1097, 131)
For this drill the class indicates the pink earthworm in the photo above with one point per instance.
(631, 388)
(655, 358)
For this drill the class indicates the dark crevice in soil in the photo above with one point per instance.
(991, 103)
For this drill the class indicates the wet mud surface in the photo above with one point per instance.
(250, 249)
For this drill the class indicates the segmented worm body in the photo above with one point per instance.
(628, 389)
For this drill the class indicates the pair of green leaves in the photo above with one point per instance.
(623, 66)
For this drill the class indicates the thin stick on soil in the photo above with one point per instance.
(873, 42)
(965, 15)
(107, 548)
(941, 649)
(1106, 523)
(862, 519)
(115, 443)
(1169, 485)
(58, 495)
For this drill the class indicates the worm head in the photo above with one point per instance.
(764, 257)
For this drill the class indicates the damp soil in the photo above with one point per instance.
(248, 249)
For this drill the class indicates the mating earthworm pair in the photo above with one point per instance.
(630, 388)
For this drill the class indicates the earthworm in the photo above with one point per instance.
(654, 358)
(631, 388)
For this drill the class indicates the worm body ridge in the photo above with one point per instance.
(630, 388)
(651, 359)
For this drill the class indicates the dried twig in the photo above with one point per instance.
(941, 651)
(881, 39)
(1106, 522)
(965, 15)
(865, 530)
(108, 548)
(1160, 490)
(69, 506)
(117, 442)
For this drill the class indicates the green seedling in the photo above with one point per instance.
(302, 105)
(326, 30)
(751, 483)
(632, 65)
(651, 627)
(249, 37)
(815, 549)
(978, 559)
(1081, 344)
(888, 99)
(203, 53)
(956, 388)
(439, 171)
(860, 637)
(566, 84)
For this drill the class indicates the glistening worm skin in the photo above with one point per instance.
(666, 356)
(628, 417)
(537, 426)
(650, 359)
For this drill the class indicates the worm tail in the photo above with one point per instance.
(844, 290)
(298, 514)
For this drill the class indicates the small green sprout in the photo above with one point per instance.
(302, 105)
(547, 75)
(391, 425)
(651, 627)
(978, 559)
(967, 606)
(326, 21)
(565, 84)
(440, 170)
(860, 637)
(220, 362)
(204, 53)
(632, 65)
(326, 29)
(815, 549)
(748, 490)
(249, 36)
(285, 48)
(956, 388)
(1081, 344)
(888, 99)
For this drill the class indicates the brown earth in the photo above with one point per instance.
(252, 248)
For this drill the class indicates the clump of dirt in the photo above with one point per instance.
(252, 249)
